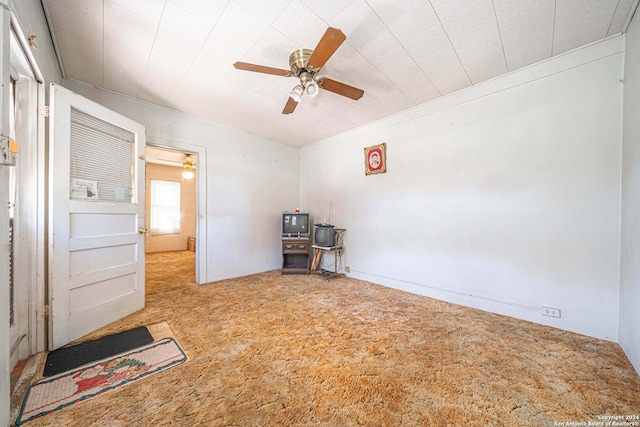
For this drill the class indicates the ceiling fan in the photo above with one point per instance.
(305, 64)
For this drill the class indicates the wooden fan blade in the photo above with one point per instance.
(341, 88)
(262, 69)
(328, 44)
(291, 105)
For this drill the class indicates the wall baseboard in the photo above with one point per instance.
(468, 299)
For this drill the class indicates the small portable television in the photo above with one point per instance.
(295, 224)
(325, 235)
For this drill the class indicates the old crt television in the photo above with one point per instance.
(295, 224)
(325, 235)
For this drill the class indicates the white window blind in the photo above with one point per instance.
(103, 153)
(165, 207)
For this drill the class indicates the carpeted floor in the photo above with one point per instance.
(273, 350)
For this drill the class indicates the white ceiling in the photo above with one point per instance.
(180, 53)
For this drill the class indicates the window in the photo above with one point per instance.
(165, 207)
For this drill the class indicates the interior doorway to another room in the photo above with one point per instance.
(172, 201)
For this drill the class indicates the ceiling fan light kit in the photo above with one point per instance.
(312, 88)
(307, 82)
(296, 93)
(305, 64)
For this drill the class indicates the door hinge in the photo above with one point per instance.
(46, 311)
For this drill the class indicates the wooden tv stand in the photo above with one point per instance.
(295, 255)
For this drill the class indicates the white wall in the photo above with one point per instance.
(630, 265)
(250, 181)
(504, 197)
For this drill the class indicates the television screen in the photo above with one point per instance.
(295, 224)
(325, 235)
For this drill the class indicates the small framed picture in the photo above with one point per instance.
(375, 159)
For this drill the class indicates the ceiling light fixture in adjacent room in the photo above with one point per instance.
(188, 164)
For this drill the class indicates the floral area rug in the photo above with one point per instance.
(62, 390)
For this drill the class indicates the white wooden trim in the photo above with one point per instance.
(58, 220)
(25, 222)
(82, 243)
(80, 206)
(83, 279)
(38, 321)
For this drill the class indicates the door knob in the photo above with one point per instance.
(142, 230)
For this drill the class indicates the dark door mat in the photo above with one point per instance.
(67, 358)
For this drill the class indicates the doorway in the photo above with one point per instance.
(173, 202)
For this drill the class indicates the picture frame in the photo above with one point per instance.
(375, 159)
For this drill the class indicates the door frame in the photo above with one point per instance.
(30, 249)
(201, 196)
(36, 327)
(25, 208)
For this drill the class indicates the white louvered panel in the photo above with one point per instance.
(102, 152)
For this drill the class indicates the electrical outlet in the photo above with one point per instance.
(347, 269)
(550, 311)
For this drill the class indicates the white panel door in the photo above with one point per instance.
(97, 202)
